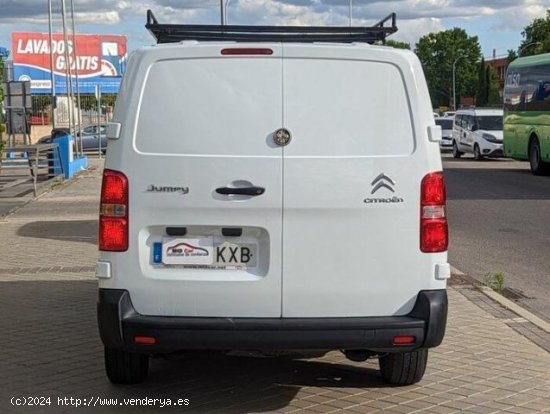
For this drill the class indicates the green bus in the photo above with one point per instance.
(527, 112)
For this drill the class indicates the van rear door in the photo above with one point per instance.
(204, 127)
(351, 184)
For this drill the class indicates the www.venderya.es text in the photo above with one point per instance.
(95, 401)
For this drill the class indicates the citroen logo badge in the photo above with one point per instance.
(382, 181)
(282, 137)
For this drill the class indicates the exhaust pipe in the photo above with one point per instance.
(358, 355)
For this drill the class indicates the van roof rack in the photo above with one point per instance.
(171, 33)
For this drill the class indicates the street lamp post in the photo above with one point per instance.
(454, 82)
(350, 12)
(225, 12)
(527, 45)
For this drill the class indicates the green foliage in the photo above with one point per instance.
(512, 55)
(495, 281)
(397, 44)
(488, 86)
(493, 87)
(438, 52)
(482, 93)
(536, 37)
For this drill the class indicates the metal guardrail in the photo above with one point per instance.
(35, 157)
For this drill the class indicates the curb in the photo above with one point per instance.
(508, 304)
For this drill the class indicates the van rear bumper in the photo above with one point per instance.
(119, 324)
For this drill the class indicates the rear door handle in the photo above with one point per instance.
(251, 191)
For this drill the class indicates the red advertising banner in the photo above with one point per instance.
(98, 57)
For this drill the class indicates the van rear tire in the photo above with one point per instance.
(124, 367)
(404, 368)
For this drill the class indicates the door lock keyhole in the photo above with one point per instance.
(282, 137)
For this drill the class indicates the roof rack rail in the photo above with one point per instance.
(170, 33)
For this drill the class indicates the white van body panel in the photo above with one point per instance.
(203, 121)
(336, 247)
(187, 138)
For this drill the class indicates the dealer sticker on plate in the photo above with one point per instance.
(178, 251)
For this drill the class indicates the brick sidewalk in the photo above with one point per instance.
(51, 346)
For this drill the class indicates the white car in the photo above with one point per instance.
(446, 124)
(479, 132)
(262, 195)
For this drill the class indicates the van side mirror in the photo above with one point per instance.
(474, 128)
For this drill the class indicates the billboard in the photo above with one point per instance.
(100, 60)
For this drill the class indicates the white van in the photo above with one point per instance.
(478, 131)
(262, 195)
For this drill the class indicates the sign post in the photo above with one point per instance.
(98, 97)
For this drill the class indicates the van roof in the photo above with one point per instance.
(171, 33)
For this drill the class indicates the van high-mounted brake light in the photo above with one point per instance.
(246, 51)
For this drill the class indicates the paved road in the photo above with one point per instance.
(499, 216)
(51, 348)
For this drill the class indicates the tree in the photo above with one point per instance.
(397, 44)
(536, 37)
(512, 55)
(437, 53)
(482, 93)
(493, 87)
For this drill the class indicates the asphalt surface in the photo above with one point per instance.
(499, 218)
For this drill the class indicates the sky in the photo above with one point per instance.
(497, 23)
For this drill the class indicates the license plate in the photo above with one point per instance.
(209, 252)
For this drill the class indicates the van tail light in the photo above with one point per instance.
(434, 233)
(113, 214)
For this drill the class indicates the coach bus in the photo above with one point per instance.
(527, 112)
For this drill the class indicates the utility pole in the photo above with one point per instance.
(222, 12)
(350, 12)
(52, 74)
(68, 72)
(79, 109)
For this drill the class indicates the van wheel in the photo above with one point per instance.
(125, 367)
(456, 152)
(404, 368)
(477, 153)
(538, 167)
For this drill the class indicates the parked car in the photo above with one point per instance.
(89, 135)
(315, 218)
(446, 124)
(478, 131)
